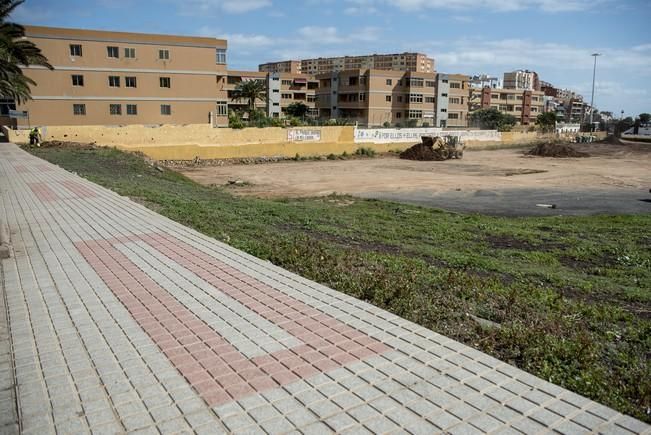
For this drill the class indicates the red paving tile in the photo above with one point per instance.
(209, 363)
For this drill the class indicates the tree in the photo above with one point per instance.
(492, 119)
(252, 90)
(645, 118)
(297, 109)
(546, 122)
(14, 53)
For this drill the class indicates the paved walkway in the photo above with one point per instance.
(121, 320)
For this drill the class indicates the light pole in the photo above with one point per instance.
(594, 74)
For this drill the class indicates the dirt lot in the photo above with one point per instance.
(616, 179)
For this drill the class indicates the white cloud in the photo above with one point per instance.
(493, 5)
(230, 6)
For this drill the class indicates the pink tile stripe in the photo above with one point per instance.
(43, 192)
(21, 169)
(213, 366)
(78, 189)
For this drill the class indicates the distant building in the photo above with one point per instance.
(522, 79)
(485, 81)
(524, 105)
(452, 92)
(416, 62)
(282, 89)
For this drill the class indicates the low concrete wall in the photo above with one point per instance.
(185, 142)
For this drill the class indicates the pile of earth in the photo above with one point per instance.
(554, 149)
(426, 151)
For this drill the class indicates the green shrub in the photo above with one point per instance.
(234, 120)
(365, 151)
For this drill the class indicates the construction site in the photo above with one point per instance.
(610, 176)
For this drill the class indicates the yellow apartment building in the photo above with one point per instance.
(116, 78)
(416, 62)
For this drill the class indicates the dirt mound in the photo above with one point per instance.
(420, 151)
(562, 150)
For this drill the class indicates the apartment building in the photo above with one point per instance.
(115, 78)
(282, 90)
(522, 79)
(524, 105)
(287, 67)
(452, 92)
(375, 97)
(485, 81)
(417, 62)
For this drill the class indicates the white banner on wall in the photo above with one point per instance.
(390, 135)
(303, 135)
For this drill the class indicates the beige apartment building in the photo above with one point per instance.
(375, 97)
(115, 78)
(282, 90)
(524, 105)
(416, 62)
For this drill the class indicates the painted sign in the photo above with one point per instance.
(303, 135)
(389, 135)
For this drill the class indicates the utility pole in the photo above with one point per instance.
(594, 74)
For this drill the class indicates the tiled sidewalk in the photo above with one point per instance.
(121, 320)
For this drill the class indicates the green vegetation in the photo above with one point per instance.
(492, 119)
(16, 51)
(546, 122)
(570, 295)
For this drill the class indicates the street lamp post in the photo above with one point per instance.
(594, 74)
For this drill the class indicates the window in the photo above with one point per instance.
(398, 114)
(222, 108)
(415, 98)
(115, 109)
(389, 82)
(113, 52)
(444, 110)
(286, 96)
(415, 114)
(165, 109)
(165, 82)
(276, 104)
(430, 83)
(455, 85)
(75, 50)
(416, 82)
(130, 82)
(455, 100)
(130, 53)
(399, 98)
(286, 82)
(494, 96)
(362, 80)
(429, 99)
(311, 98)
(275, 91)
(77, 80)
(221, 56)
(114, 81)
(387, 98)
(362, 96)
(453, 116)
(352, 81)
(132, 109)
(444, 80)
(78, 109)
(164, 54)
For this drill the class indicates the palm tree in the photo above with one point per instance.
(15, 51)
(252, 90)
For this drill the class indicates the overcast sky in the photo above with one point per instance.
(553, 37)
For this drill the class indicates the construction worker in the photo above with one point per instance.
(35, 137)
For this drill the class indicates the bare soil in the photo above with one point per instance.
(611, 167)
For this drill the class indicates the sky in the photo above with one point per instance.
(552, 37)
